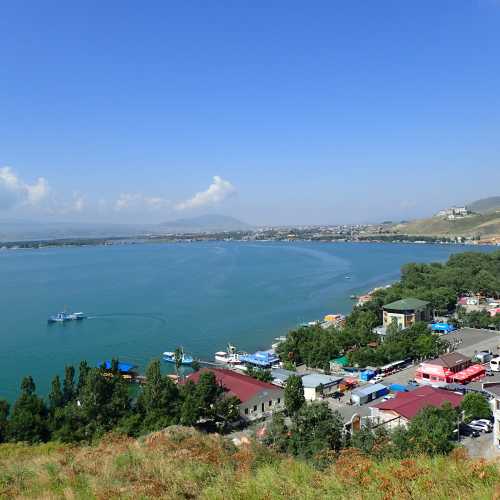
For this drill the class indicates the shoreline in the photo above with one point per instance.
(108, 242)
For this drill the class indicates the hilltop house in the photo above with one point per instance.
(454, 213)
(257, 399)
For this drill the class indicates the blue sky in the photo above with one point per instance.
(271, 111)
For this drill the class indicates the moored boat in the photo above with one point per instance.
(230, 357)
(169, 357)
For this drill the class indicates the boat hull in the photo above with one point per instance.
(65, 317)
(170, 358)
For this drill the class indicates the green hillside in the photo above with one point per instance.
(182, 464)
(486, 226)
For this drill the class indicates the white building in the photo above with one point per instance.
(453, 213)
(317, 385)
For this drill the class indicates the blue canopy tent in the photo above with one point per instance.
(122, 367)
(442, 327)
(263, 359)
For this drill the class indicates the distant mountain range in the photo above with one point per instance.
(205, 223)
(483, 222)
(23, 230)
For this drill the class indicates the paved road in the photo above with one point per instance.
(481, 446)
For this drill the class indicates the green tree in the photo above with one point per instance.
(4, 415)
(260, 374)
(475, 405)
(227, 410)
(208, 392)
(56, 397)
(316, 428)
(277, 434)
(82, 373)
(103, 402)
(190, 407)
(294, 394)
(178, 359)
(69, 424)
(159, 399)
(375, 442)
(69, 384)
(430, 432)
(28, 421)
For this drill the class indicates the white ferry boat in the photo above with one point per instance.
(229, 357)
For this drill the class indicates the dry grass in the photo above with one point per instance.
(485, 225)
(179, 463)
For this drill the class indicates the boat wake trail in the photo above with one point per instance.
(118, 315)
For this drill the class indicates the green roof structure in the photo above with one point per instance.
(408, 304)
(342, 361)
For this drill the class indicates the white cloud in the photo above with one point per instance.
(138, 201)
(217, 192)
(78, 202)
(15, 192)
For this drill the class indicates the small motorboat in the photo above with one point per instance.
(62, 317)
(186, 359)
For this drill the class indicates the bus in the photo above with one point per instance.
(393, 367)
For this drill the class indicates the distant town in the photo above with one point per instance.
(477, 223)
(374, 233)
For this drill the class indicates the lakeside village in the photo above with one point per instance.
(424, 348)
(357, 233)
(384, 232)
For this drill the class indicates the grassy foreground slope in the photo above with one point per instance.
(180, 463)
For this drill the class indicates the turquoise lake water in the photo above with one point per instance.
(148, 298)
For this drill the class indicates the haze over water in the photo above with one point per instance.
(148, 298)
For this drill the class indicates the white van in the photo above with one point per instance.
(495, 364)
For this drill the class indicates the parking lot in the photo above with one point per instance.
(472, 340)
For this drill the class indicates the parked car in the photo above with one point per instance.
(388, 396)
(490, 373)
(377, 379)
(484, 356)
(485, 421)
(467, 430)
(480, 426)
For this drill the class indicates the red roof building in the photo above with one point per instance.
(401, 409)
(258, 399)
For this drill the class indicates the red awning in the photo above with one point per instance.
(469, 373)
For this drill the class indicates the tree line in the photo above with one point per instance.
(83, 407)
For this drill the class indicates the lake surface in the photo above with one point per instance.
(148, 298)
